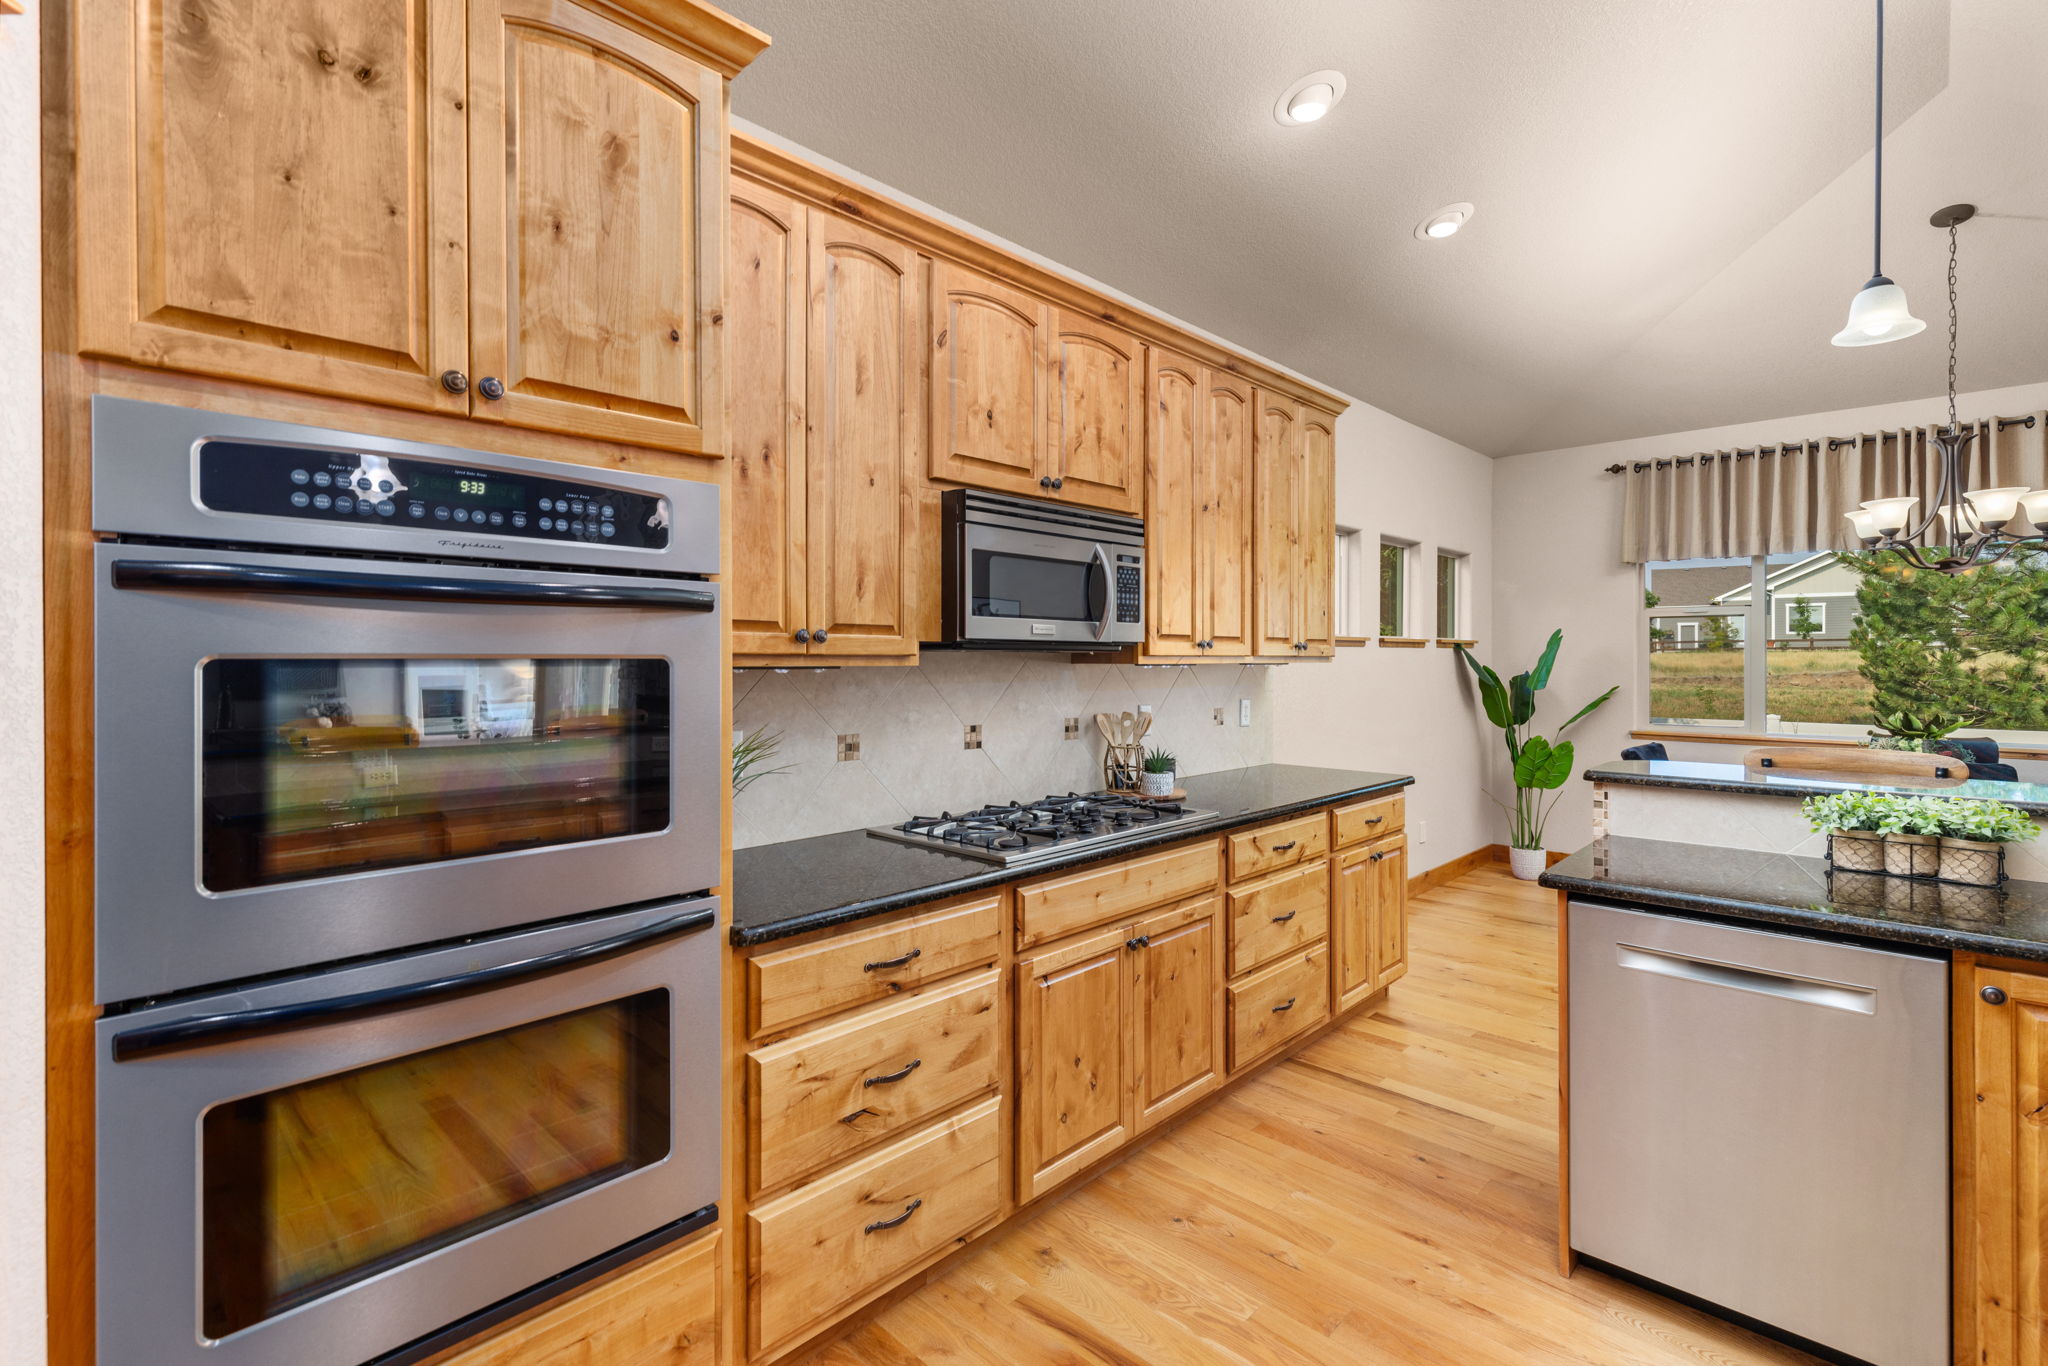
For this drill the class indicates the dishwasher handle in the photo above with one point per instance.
(1786, 987)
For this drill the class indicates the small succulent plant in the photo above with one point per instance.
(1160, 761)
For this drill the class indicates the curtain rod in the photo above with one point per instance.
(1834, 443)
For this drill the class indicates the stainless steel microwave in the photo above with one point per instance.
(1023, 574)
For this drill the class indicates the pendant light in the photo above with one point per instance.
(1878, 313)
(1977, 528)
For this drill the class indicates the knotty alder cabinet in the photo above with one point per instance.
(2002, 1166)
(1294, 528)
(511, 209)
(1198, 514)
(825, 328)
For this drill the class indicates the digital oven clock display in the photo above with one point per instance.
(473, 489)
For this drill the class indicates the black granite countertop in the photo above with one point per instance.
(1785, 889)
(1711, 777)
(785, 889)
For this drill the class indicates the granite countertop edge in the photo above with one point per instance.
(996, 875)
(1791, 786)
(1844, 923)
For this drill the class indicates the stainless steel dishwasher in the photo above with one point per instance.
(1760, 1121)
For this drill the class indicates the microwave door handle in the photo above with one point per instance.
(200, 1031)
(1100, 560)
(202, 576)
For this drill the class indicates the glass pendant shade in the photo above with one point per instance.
(2036, 506)
(1995, 507)
(1891, 515)
(1877, 314)
(1865, 522)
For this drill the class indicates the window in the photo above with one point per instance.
(1450, 592)
(1823, 644)
(1348, 597)
(1394, 588)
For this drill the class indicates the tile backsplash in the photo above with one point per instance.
(911, 756)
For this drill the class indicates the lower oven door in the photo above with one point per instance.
(305, 758)
(323, 1170)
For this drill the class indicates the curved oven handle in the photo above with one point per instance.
(201, 1031)
(342, 583)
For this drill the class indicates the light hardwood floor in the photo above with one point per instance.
(1389, 1195)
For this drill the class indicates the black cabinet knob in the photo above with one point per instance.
(1045, 481)
(1059, 483)
(454, 381)
(803, 637)
(1992, 996)
(490, 386)
(817, 637)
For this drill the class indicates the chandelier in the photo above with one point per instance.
(1978, 528)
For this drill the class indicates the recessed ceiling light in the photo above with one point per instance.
(1444, 221)
(1309, 98)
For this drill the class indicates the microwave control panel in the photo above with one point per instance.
(1129, 598)
(311, 484)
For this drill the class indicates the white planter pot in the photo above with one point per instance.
(1156, 784)
(1527, 864)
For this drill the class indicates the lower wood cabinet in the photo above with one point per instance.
(1369, 919)
(663, 1312)
(815, 1252)
(1116, 1031)
(787, 987)
(2002, 1167)
(1276, 1004)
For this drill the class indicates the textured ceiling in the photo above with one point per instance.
(1673, 196)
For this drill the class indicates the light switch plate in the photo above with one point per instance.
(1422, 832)
(1144, 709)
(1244, 711)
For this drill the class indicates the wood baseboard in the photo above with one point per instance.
(1456, 868)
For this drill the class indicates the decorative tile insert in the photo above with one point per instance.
(1599, 811)
(1219, 716)
(849, 747)
(972, 739)
(1073, 727)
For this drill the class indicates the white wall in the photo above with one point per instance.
(1405, 710)
(21, 701)
(1557, 539)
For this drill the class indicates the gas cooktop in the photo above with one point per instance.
(1023, 832)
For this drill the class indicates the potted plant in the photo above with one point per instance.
(1539, 764)
(1919, 733)
(1912, 829)
(1157, 778)
(1973, 840)
(1854, 825)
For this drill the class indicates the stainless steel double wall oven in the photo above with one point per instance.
(408, 810)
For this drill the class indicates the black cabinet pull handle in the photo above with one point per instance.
(1374, 820)
(1377, 857)
(454, 381)
(1283, 848)
(1142, 941)
(803, 637)
(899, 1220)
(898, 1075)
(1288, 1006)
(491, 387)
(1992, 996)
(893, 962)
(863, 1110)
(817, 637)
(1283, 919)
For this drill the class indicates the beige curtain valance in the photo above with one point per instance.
(1775, 500)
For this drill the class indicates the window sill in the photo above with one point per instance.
(1401, 643)
(1352, 642)
(1445, 643)
(1724, 737)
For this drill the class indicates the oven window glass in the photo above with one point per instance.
(1035, 588)
(325, 1183)
(315, 767)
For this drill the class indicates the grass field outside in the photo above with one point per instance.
(1804, 685)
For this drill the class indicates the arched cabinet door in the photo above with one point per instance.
(989, 405)
(1279, 521)
(597, 206)
(1319, 532)
(1227, 511)
(1096, 426)
(1176, 520)
(276, 193)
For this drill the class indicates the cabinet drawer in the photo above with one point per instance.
(1271, 1007)
(1287, 911)
(1273, 847)
(789, 986)
(1058, 906)
(829, 1092)
(1370, 820)
(815, 1253)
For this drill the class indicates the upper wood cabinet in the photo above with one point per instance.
(1198, 518)
(2002, 1165)
(825, 328)
(398, 200)
(1096, 428)
(1295, 529)
(989, 378)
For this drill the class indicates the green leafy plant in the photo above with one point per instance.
(1160, 761)
(1922, 726)
(1986, 822)
(751, 757)
(1890, 814)
(1848, 811)
(1717, 633)
(1540, 764)
(1802, 621)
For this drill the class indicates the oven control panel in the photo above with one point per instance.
(1129, 597)
(303, 483)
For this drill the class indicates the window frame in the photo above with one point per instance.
(1461, 573)
(1404, 589)
(1347, 597)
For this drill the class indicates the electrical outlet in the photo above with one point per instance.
(972, 738)
(1144, 709)
(1244, 711)
(379, 770)
(1422, 832)
(1073, 727)
(849, 748)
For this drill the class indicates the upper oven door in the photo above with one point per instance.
(301, 759)
(1044, 588)
(324, 1168)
